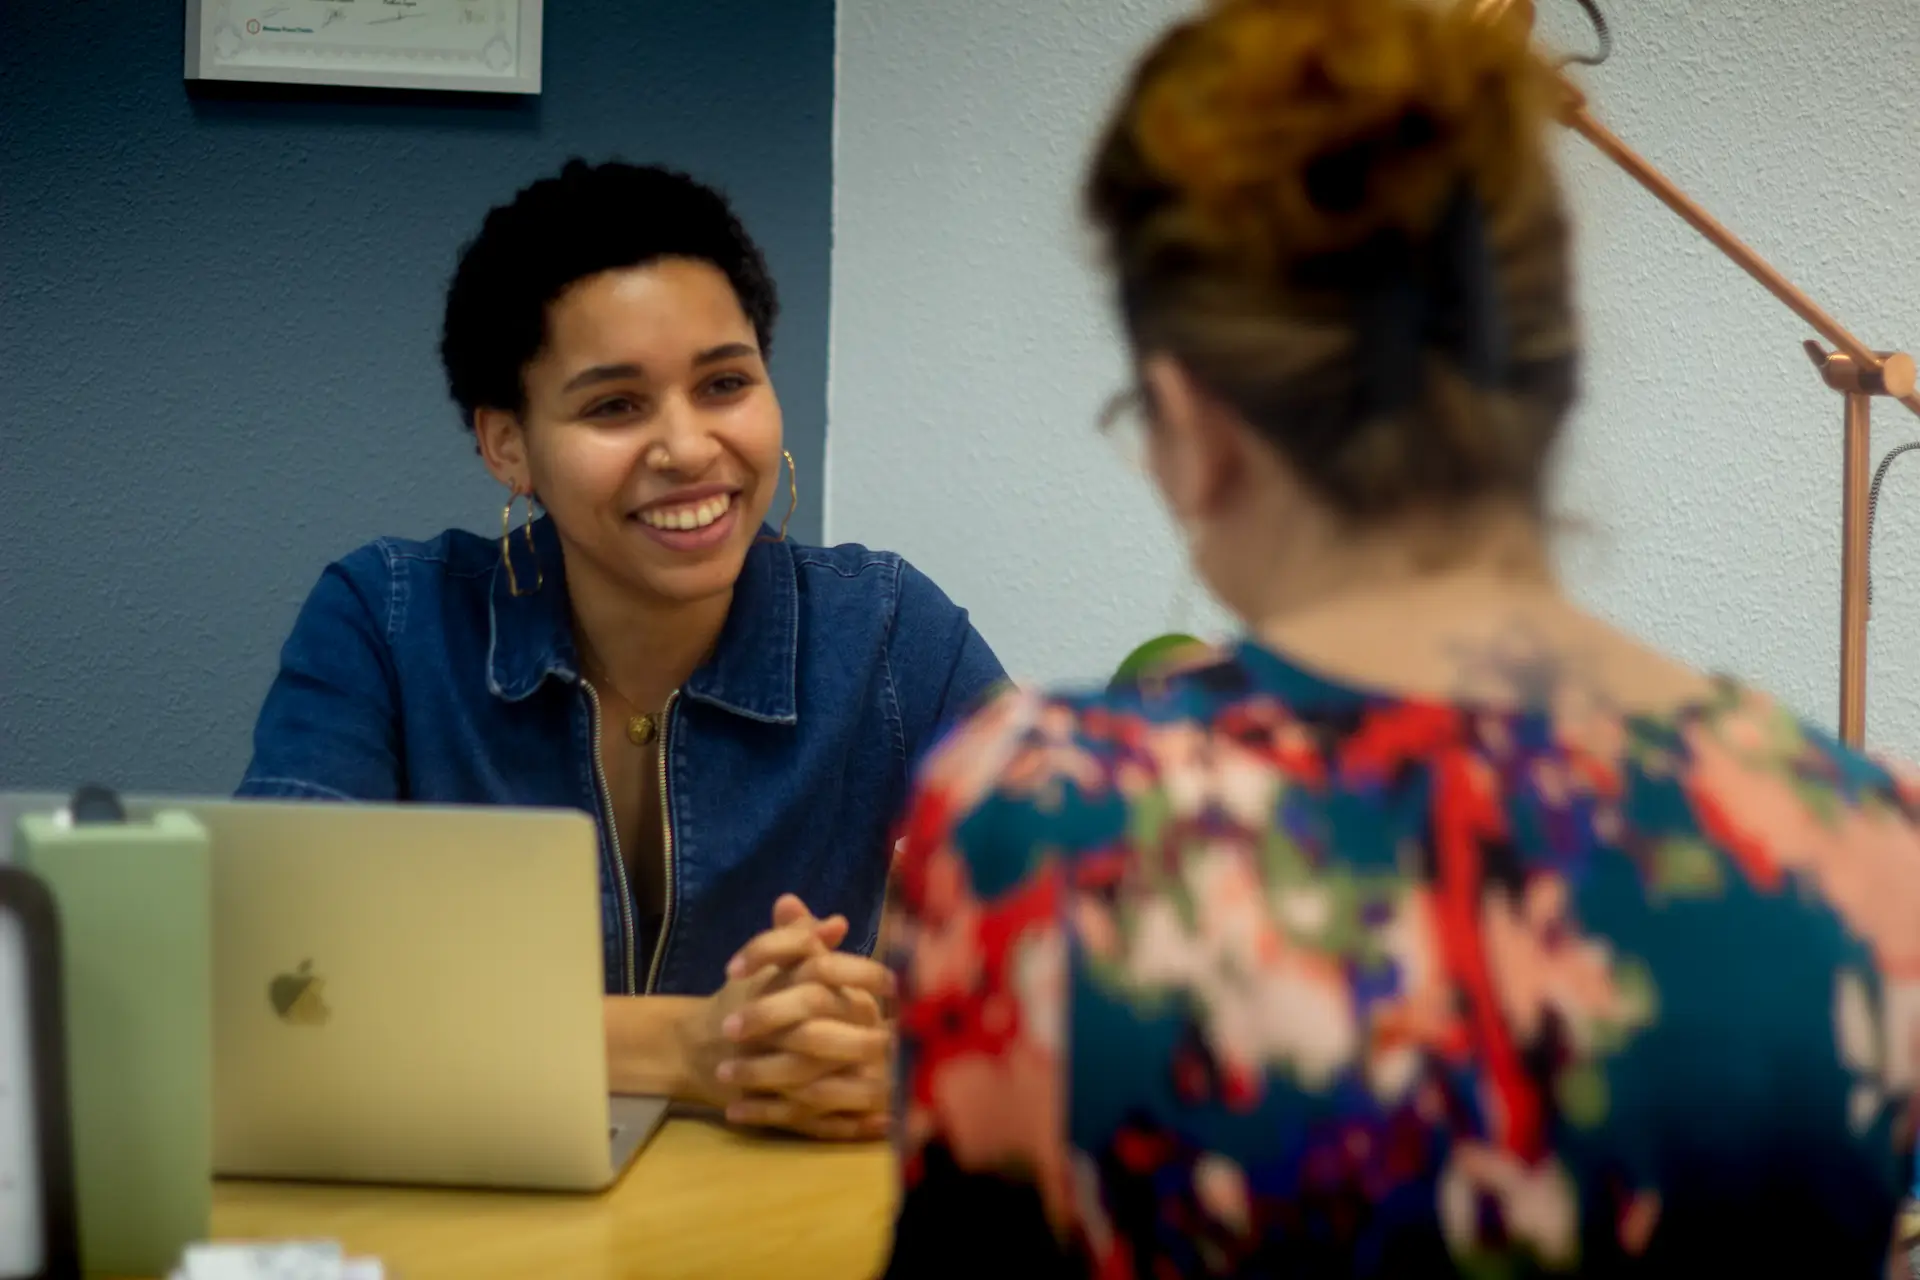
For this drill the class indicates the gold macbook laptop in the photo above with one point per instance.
(407, 994)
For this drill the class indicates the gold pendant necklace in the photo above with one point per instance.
(642, 727)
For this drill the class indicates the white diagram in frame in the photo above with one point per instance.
(486, 46)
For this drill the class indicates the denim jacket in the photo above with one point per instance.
(413, 673)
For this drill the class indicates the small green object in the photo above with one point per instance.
(1583, 1095)
(135, 900)
(1152, 654)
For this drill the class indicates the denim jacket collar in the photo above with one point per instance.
(754, 667)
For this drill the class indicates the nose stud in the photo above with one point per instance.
(659, 458)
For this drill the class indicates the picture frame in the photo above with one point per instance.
(462, 46)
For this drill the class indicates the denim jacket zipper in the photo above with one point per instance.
(605, 798)
(666, 850)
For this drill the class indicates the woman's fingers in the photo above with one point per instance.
(835, 1042)
(848, 972)
(857, 1094)
(782, 1010)
(783, 947)
(788, 908)
(776, 1114)
(770, 1073)
(863, 1008)
(856, 1091)
(804, 1054)
(796, 935)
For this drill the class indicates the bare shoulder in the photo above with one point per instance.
(1637, 677)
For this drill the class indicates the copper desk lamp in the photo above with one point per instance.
(1851, 368)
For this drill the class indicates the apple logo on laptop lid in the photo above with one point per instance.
(297, 997)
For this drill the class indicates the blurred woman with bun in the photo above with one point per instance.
(1438, 928)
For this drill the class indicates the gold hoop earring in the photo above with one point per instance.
(793, 497)
(506, 546)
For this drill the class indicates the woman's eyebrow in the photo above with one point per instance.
(725, 351)
(615, 372)
(603, 373)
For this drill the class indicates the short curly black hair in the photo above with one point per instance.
(588, 219)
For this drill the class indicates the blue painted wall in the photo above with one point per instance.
(218, 317)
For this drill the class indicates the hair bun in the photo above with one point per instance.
(1290, 128)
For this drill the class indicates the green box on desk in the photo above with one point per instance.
(135, 900)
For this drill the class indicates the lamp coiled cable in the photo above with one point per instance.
(1602, 29)
(1873, 508)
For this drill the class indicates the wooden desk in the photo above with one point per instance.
(701, 1201)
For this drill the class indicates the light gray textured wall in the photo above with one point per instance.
(218, 318)
(972, 345)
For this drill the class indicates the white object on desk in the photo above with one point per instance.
(20, 1229)
(37, 1232)
(483, 46)
(285, 1260)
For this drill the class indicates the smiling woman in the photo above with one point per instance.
(739, 712)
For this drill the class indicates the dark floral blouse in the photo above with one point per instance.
(1245, 973)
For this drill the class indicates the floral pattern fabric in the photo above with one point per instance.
(1248, 973)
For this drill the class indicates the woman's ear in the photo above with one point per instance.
(1192, 448)
(503, 446)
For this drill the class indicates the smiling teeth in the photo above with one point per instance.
(686, 519)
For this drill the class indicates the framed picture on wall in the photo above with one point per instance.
(472, 46)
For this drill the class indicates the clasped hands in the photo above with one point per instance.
(799, 1037)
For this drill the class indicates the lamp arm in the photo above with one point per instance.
(1894, 376)
(1852, 368)
(1578, 118)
